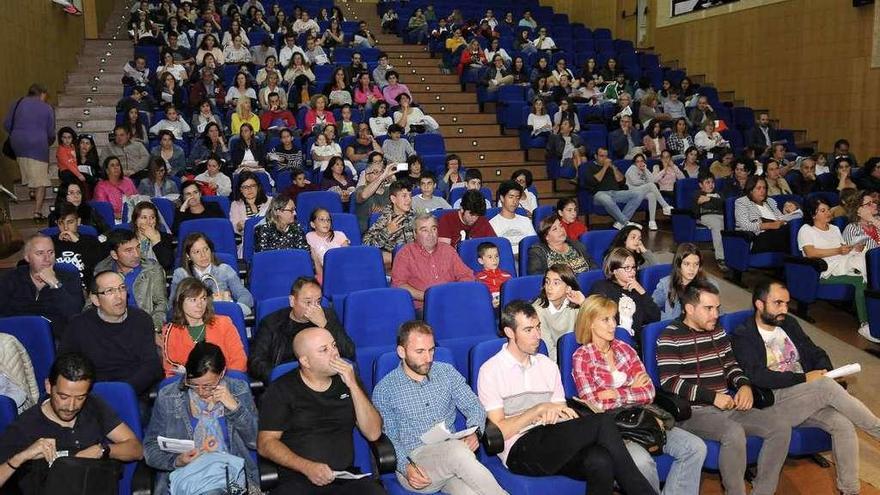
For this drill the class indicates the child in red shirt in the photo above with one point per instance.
(492, 276)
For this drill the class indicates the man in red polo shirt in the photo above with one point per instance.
(469, 222)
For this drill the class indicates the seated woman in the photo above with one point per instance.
(639, 178)
(280, 230)
(211, 142)
(170, 153)
(191, 207)
(757, 213)
(71, 192)
(528, 201)
(335, 179)
(864, 224)
(843, 171)
(215, 411)
(805, 180)
(157, 184)
(244, 115)
(286, 155)
(154, 243)
(818, 238)
(538, 119)
(250, 201)
(680, 139)
(198, 260)
(115, 187)
(691, 165)
(735, 185)
(212, 176)
(193, 321)
(653, 142)
(630, 237)
(318, 116)
(567, 211)
(687, 266)
(609, 376)
(323, 238)
(557, 305)
(323, 151)
(666, 173)
(635, 305)
(556, 248)
(776, 184)
(247, 151)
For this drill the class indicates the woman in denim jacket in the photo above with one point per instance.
(216, 411)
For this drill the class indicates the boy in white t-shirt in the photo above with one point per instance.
(508, 224)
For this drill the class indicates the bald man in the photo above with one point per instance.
(35, 288)
(307, 417)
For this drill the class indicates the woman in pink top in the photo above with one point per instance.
(394, 88)
(323, 238)
(367, 94)
(666, 173)
(115, 187)
(318, 115)
(654, 142)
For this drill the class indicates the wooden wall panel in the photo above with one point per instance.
(808, 61)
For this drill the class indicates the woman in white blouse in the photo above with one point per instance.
(240, 88)
(235, 30)
(236, 52)
(639, 178)
(176, 70)
(538, 119)
(709, 141)
(323, 150)
(380, 121)
(495, 49)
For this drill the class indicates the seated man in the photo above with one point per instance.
(307, 417)
(34, 288)
(469, 222)
(625, 142)
(144, 278)
(450, 466)
(425, 262)
(426, 202)
(697, 363)
(522, 389)
(776, 354)
(395, 224)
(82, 251)
(71, 422)
(473, 181)
(271, 345)
(606, 183)
(508, 223)
(118, 339)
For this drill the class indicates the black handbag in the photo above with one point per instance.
(642, 426)
(73, 476)
(7, 145)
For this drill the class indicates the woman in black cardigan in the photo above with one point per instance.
(555, 247)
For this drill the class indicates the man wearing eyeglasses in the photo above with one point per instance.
(117, 338)
(35, 288)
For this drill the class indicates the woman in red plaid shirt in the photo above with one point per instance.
(609, 375)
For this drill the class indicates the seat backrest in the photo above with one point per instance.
(587, 279)
(386, 362)
(8, 412)
(35, 335)
(542, 212)
(122, 398)
(650, 275)
(684, 190)
(104, 209)
(597, 242)
(650, 333)
(266, 307)
(282, 369)
(234, 312)
(467, 251)
(449, 306)
(525, 244)
(272, 272)
(221, 201)
(526, 287)
(166, 209)
(348, 223)
(729, 213)
(373, 316)
(219, 230)
(353, 268)
(730, 321)
(481, 352)
(307, 201)
(247, 238)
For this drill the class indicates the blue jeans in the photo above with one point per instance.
(609, 200)
(689, 452)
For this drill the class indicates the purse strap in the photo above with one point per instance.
(14, 110)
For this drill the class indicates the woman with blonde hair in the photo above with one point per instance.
(610, 376)
(193, 321)
(244, 115)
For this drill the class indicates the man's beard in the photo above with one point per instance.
(422, 369)
(770, 319)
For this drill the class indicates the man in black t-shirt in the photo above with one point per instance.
(307, 417)
(69, 423)
(80, 250)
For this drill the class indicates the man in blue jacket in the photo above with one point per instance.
(776, 354)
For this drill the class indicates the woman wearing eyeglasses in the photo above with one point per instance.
(193, 321)
(215, 411)
(635, 305)
(280, 230)
(864, 223)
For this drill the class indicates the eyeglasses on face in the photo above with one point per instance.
(112, 291)
(627, 268)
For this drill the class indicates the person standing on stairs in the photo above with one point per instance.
(30, 123)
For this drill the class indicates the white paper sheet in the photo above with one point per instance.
(175, 445)
(439, 433)
(845, 370)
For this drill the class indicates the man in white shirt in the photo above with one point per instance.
(508, 224)
(543, 42)
(290, 47)
(426, 202)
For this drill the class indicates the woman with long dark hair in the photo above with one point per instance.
(115, 187)
(198, 260)
(557, 305)
(72, 192)
(687, 266)
(250, 200)
(154, 243)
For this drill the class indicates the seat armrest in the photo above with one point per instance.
(268, 474)
(493, 439)
(383, 454)
(741, 234)
(817, 263)
(678, 407)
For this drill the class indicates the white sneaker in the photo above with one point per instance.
(667, 210)
(865, 331)
(652, 225)
(617, 225)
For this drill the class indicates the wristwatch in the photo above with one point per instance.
(105, 451)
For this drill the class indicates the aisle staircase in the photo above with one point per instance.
(87, 104)
(476, 137)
